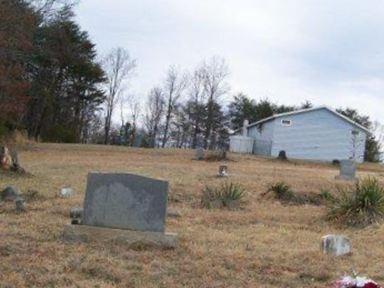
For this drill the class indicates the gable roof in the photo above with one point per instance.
(310, 110)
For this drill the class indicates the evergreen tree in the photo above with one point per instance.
(65, 81)
(18, 22)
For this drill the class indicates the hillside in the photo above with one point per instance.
(266, 244)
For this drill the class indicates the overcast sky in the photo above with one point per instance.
(330, 52)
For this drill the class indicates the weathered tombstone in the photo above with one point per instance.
(5, 158)
(223, 171)
(16, 167)
(336, 245)
(173, 213)
(199, 154)
(66, 192)
(76, 215)
(125, 201)
(282, 156)
(20, 205)
(10, 193)
(222, 155)
(131, 207)
(347, 170)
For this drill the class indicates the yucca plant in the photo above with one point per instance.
(326, 195)
(361, 206)
(225, 195)
(282, 191)
(232, 192)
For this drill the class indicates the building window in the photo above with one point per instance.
(286, 122)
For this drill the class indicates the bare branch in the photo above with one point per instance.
(118, 66)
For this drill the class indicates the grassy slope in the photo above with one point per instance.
(265, 245)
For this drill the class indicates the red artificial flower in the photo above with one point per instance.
(371, 285)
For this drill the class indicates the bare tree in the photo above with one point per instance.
(50, 8)
(125, 101)
(118, 66)
(175, 84)
(215, 75)
(155, 112)
(196, 104)
(135, 110)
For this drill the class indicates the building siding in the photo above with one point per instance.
(317, 135)
(313, 135)
(263, 136)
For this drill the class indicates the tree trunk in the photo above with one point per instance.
(208, 125)
(107, 128)
(167, 122)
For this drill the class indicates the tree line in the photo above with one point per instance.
(55, 86)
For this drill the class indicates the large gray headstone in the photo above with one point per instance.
(347, 170)
(125, 201)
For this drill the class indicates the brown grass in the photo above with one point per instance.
(265, 245)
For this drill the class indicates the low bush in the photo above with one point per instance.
(358, 206)
(282, 191)
(209, 196)
(33, 195)
(326, 196)
(231, 192)
(223, 196)
(216, 156)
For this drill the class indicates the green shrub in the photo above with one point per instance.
(61, 134)
(232, 192)
(214, 156)
(33, 195)
(225, 195)
(326, 196)
(282, 191)
(361, 206)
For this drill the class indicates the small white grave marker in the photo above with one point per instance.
(336, 245)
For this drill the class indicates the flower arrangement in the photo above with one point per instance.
(356, 282)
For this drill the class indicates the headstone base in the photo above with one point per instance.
(346, 178)
(131, 238)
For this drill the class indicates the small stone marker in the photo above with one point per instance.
(282, 156)
(20, 205)
(336, 245)
(173, 213)
(347, 170)
(76, 215)
(10, 193)
(66, 192)
(16, 167)
(125, 208)
(199, 154)
(5, 158)
(223, 171)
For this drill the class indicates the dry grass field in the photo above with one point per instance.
(266, 244)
